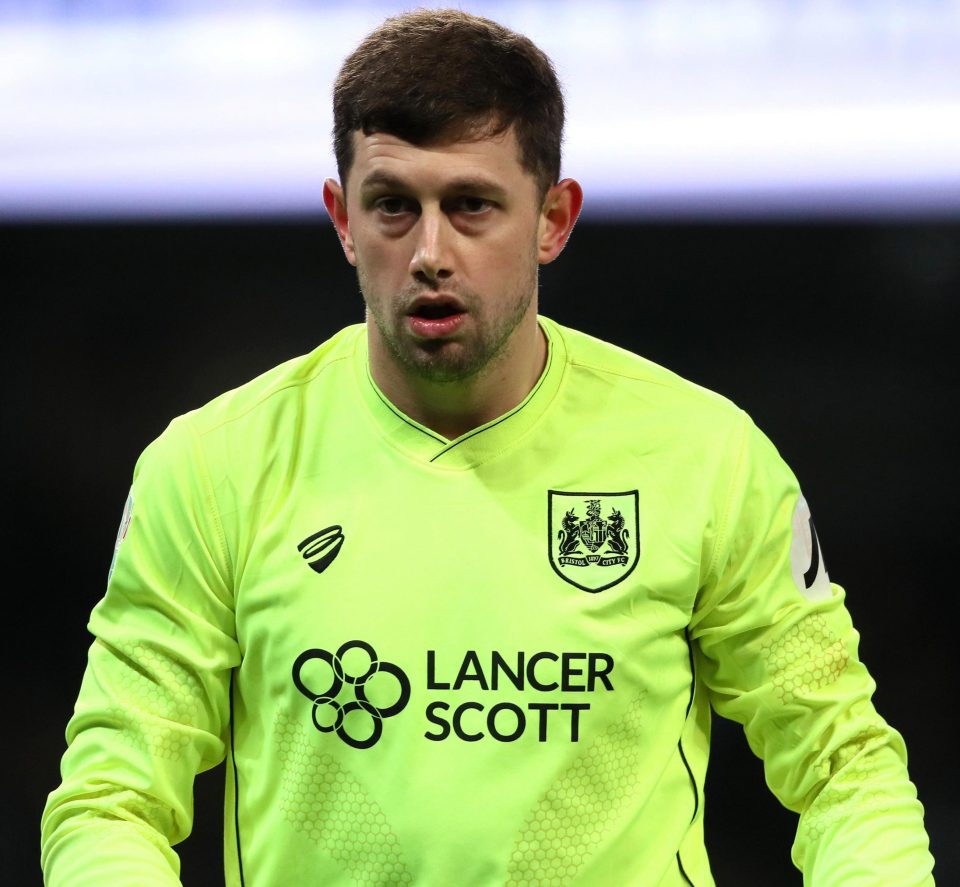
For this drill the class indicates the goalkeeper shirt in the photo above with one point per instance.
(481, 661)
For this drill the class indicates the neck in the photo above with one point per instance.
(454, 408)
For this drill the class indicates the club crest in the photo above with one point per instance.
(594, 538)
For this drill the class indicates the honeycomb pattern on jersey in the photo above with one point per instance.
(153, 696)
(141, 809)
(568, 823)
(325, 802)
(849, 790)
(806, 657)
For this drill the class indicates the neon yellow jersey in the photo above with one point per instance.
(483, 661)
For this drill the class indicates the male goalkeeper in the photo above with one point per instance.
(455, 593)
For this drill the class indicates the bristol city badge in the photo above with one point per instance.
(593, 538)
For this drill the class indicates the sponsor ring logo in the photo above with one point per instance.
(357, 721)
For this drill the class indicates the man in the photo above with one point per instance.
(453, 594)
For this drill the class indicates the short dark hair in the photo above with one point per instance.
(443, 73)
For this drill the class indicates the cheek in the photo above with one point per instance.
(381, 260)
(512, 257)
(503, 254)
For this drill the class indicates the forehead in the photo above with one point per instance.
(495, 158)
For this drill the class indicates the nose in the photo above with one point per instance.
(432, 259)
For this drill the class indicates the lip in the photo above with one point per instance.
(436, 327)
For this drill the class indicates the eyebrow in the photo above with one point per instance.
(464, 185)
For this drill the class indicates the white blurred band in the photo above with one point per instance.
(675, 107)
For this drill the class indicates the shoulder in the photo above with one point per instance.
(279, 389)
(603, 372)
(246, 421)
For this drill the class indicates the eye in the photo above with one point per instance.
(393, 206)
(471, 205)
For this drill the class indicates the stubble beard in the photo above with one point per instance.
(443, 361)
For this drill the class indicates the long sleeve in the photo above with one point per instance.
(153, 708)
(779, 654)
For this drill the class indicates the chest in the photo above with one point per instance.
(562, 586)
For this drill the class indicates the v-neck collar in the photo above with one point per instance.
(477, 445)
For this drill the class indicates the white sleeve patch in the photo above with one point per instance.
(122, 532)
(806, 558)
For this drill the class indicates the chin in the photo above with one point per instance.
(439, 365)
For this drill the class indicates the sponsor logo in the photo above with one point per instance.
(543, 672)
(320, 549)
(465, 711)
(593, 538)
(358, 721)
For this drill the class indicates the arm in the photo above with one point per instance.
(153, 708)
(778, 653)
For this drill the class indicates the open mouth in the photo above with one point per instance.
(436, 318)
(436, 311)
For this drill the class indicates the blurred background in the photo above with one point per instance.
(773, 210)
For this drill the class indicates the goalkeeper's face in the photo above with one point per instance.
(446, 238)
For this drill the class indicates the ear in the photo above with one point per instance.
(335, 200)
(561, 207)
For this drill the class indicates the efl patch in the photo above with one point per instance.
(806, 558)
(122, 532)
(593, 538)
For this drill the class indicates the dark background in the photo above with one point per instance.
(839, 339)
